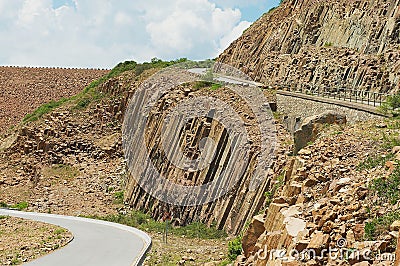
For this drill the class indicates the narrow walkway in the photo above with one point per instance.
(352, 105)
(96, 243)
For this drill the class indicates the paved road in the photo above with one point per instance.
(95, 242)
(227, 79)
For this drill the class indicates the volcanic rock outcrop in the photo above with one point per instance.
(231, 211)
(324, 44)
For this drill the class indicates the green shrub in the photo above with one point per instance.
(20, 206)
(235, 248)
(391, 104)
(119, 197)
(370, 230)
(374, 161)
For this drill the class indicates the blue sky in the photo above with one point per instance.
(101, 33)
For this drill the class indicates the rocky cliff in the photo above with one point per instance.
(317, 43)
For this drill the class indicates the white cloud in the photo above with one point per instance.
(233, 35)
(240, 3)
(101, 33)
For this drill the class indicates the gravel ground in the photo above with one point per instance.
(23, 240)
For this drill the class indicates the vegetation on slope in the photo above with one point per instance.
(90, 93)
(144, 222)
(391, 105)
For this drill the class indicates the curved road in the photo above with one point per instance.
(95, 242)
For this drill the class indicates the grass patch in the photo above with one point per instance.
(82, 104)
(61, 171)
(20, 206)
(59, 231)
(202, 84)
(206, 84)
(269, 195)
(119, 197)
(157, 63)
(380, 225)
(144, 222)
(387, 188)
(215, 86)
(2, 217)
(374, 161)
(44, 109)
(390, 141)
(379, 160)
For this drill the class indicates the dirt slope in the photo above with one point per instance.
(24, 89)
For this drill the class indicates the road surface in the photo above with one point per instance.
(95, 242)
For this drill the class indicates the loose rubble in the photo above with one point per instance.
(325, 204)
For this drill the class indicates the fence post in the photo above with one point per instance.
(356, 96)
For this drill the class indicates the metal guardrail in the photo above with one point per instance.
(344, 94)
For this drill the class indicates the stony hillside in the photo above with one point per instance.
(69, 160)
(22, 90)
(341, 192)
(73, 156)
(66, 161)
(318, 43)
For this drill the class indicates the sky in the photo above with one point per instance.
(102, 33)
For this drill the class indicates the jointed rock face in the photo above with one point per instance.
(353, 44)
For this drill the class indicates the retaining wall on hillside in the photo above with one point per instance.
(296, 109)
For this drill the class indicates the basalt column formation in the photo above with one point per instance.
(318, 43)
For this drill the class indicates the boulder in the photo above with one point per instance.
(249, 240)
(311, 127)
(319, 241)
